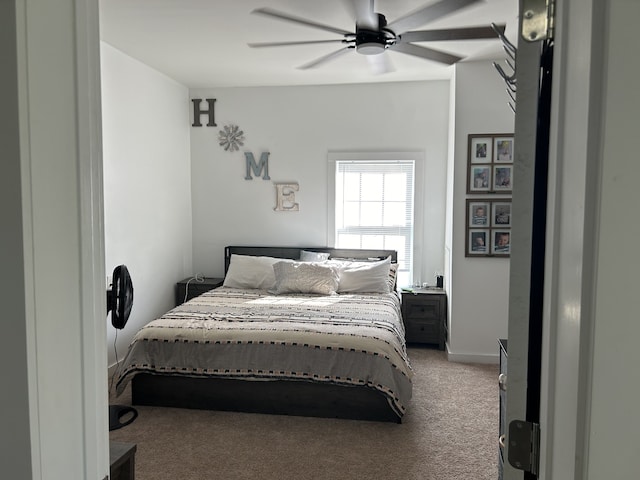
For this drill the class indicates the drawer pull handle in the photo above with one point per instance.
(501, 440)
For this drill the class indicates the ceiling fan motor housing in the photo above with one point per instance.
(373, 42)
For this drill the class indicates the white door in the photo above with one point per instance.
(588, 350)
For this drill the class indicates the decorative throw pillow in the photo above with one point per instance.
(307, 256)
(305, 277)
(365, 277)
(246, 271)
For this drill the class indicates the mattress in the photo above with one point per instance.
(342, 339)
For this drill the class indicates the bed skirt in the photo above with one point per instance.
(282, 397)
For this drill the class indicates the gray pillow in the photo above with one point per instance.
(305, 277)
(307, 256)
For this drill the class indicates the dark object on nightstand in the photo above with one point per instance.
(122, 461)
(502, 384)
(424, 312)
(192, 287)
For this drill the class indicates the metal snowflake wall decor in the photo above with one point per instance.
(231, 138)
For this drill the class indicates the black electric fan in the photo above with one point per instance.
(119, 303)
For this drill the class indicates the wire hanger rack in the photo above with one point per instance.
(509, 79)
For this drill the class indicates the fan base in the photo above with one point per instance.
(119, 412)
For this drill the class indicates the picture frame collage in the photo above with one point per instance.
(488, 227)
(489, 172)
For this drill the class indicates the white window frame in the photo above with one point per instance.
(418, 182)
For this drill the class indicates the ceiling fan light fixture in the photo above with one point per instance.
(370, 48)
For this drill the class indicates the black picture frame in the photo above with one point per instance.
(490, 163)
(488, 227)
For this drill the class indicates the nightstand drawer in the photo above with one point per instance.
(423, 308)
(423, 331)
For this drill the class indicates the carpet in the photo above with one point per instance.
(450, 432)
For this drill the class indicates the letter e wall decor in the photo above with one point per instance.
(286, 197)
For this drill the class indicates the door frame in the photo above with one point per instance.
(571, 254)
(59, 337)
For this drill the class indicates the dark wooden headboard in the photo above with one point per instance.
(294, 253)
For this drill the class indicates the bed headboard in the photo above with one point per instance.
(294, 253)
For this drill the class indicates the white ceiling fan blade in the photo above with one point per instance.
(270, 12)
(426, 53)
(324, 59)
(428, 14)
(288, 44)
(465, 33)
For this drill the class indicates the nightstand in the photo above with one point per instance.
(122, 461)
(195, 288)
(424, 312)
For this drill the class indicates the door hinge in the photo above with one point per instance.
(524, 446)
(538, 19)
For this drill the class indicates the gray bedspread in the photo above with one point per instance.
(250, 334)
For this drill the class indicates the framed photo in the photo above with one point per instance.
(500, 242)
(488, 227)
(479, 178)
(502, 178)
(478, 214)
(501, 214)
(480, 149)
(478, 241)
(503, 146)
(490, 156)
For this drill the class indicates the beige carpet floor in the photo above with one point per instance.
(449, 432)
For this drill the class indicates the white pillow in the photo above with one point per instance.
(305, 277)
(307, 256)
(246, 271)
(365, 277)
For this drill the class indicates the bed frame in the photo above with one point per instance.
(284, 397)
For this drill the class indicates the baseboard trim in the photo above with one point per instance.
(472, 358)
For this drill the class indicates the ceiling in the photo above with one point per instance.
(203, 43)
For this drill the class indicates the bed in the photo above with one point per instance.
(308, 340)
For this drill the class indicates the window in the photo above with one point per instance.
(374, 205)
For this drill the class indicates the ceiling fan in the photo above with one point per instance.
(373, 35)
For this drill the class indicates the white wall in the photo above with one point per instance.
(147, 185)
(299, 126)
(478, 287)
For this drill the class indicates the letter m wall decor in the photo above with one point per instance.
(257, 168)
